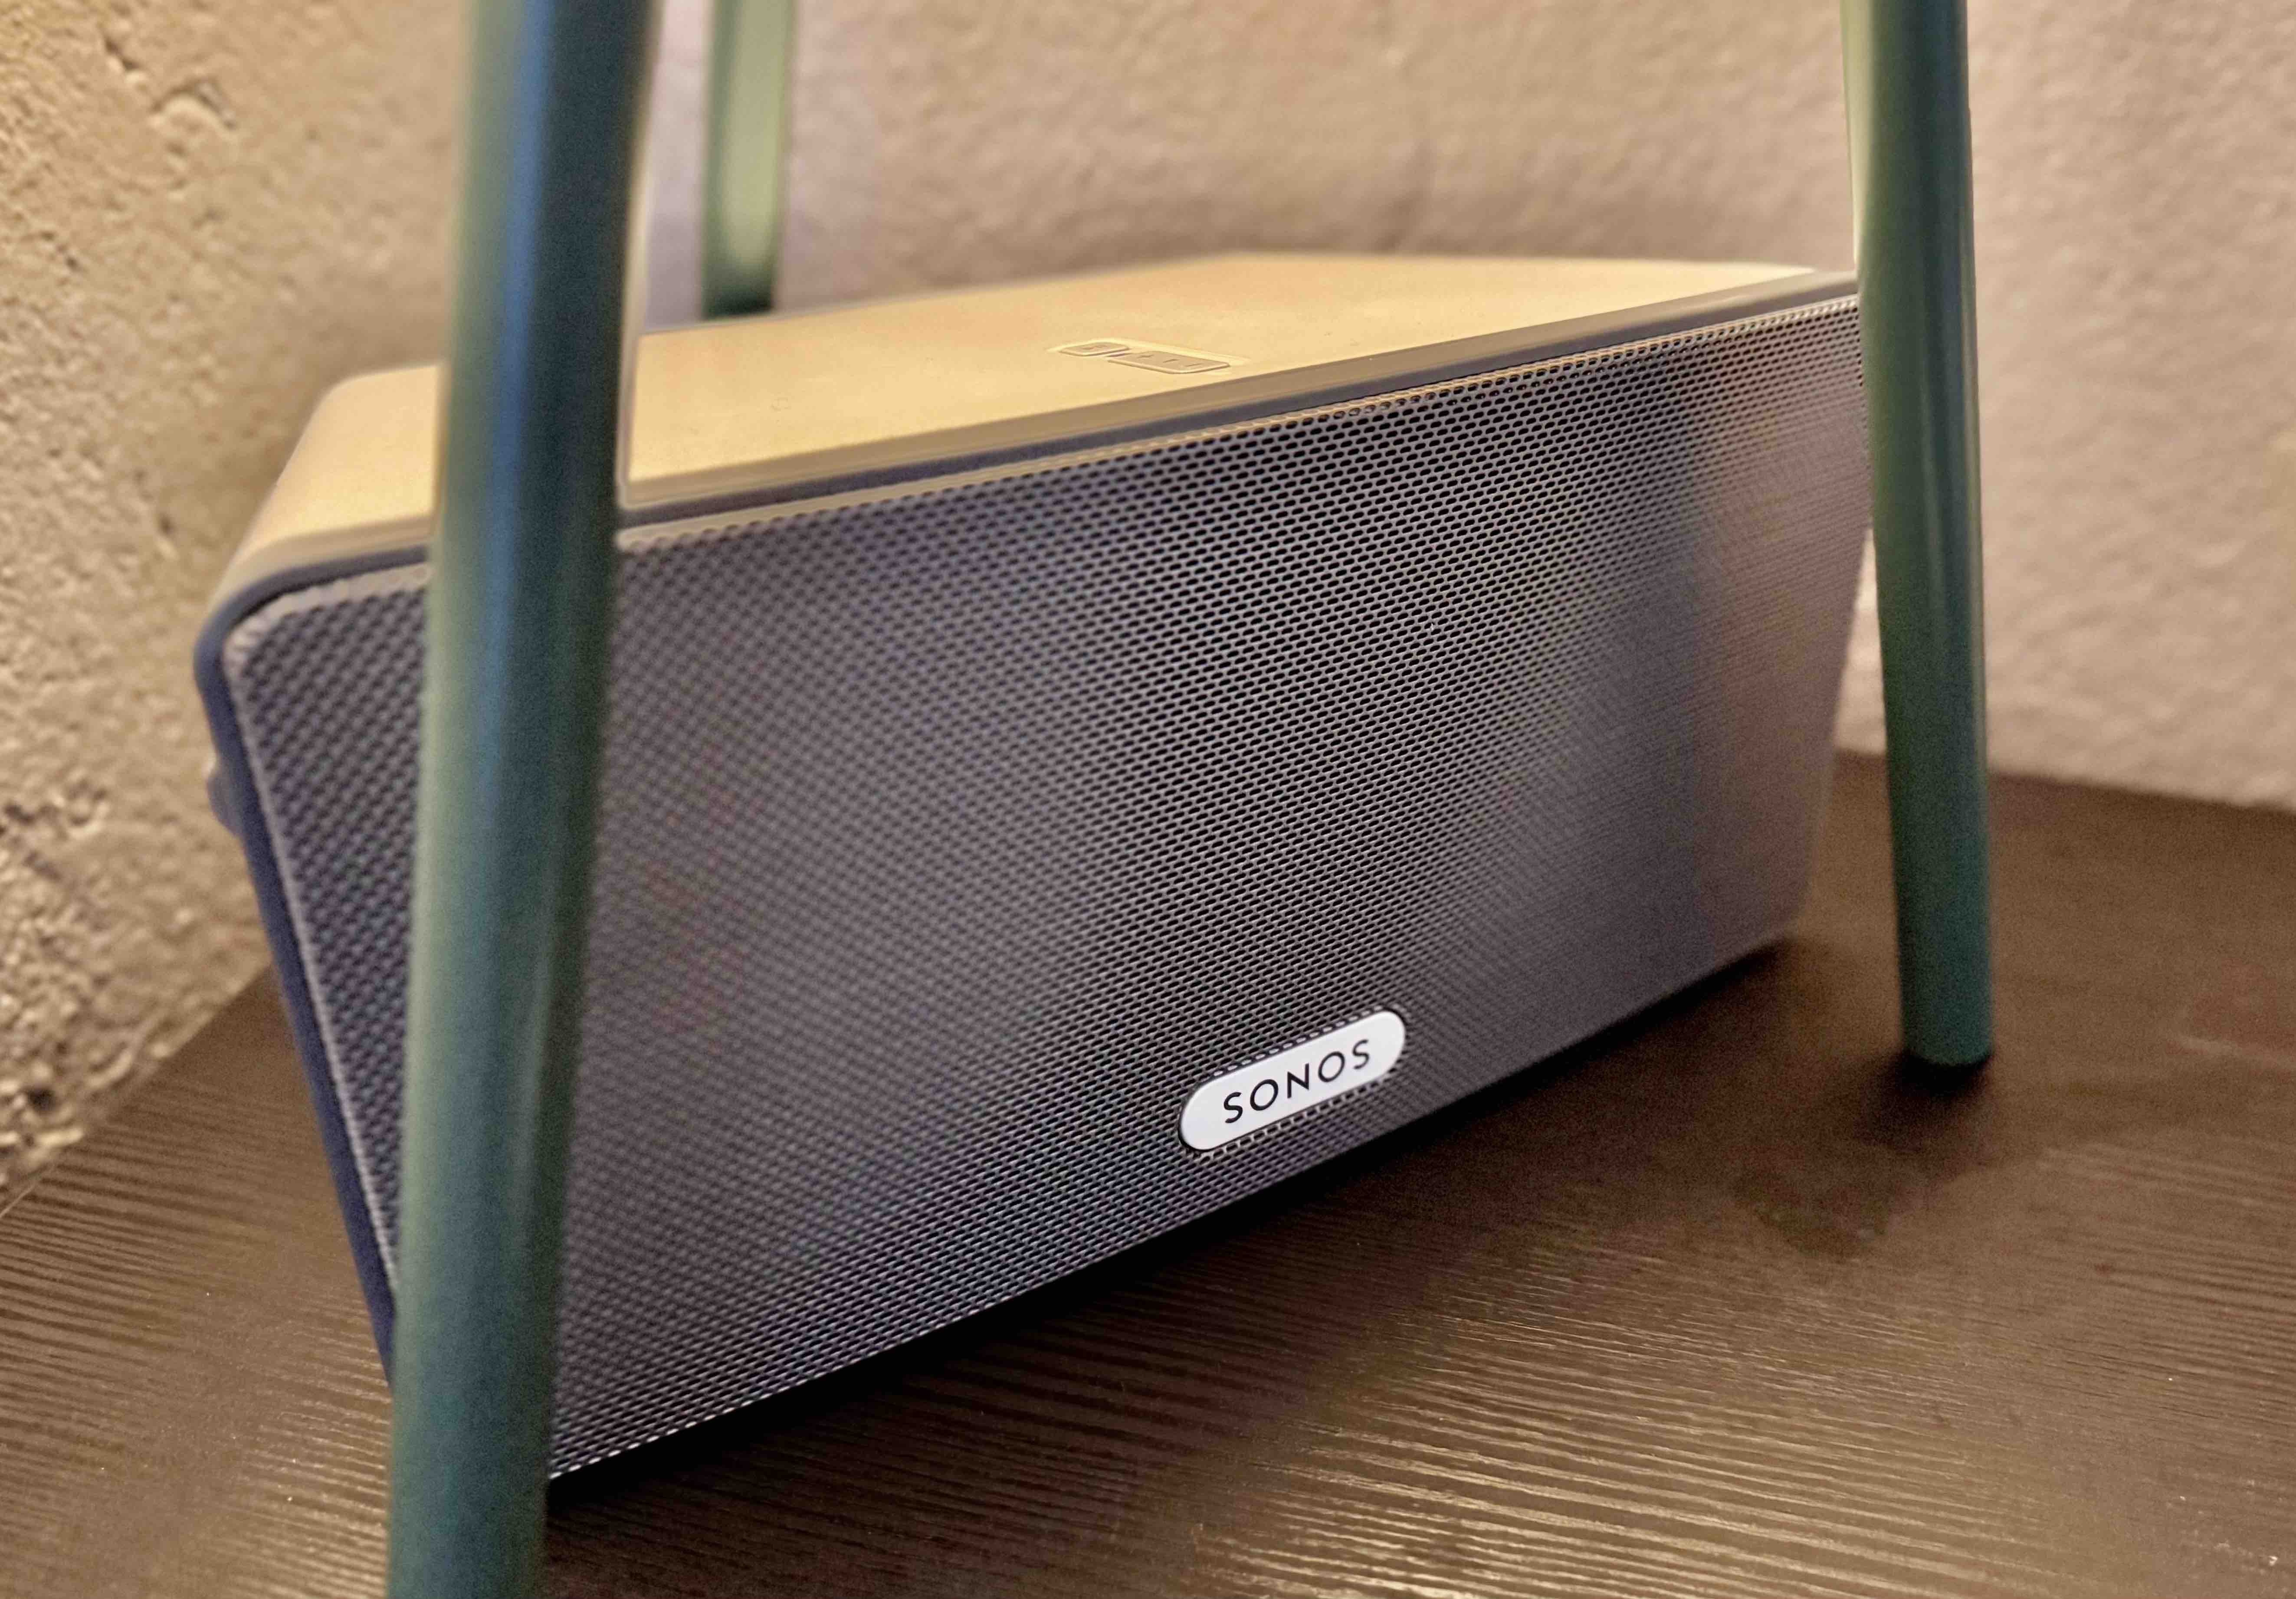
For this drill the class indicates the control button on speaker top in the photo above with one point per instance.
(1165, 360)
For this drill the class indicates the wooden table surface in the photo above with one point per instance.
(1723, 1303)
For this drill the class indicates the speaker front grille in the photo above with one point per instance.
(951, 838)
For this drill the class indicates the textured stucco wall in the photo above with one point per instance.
(206, 214)
(211, 212)
(2137, 259)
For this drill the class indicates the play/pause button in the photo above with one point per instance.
(1165, 360)
(1123, 352)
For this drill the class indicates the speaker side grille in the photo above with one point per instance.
(951, 838)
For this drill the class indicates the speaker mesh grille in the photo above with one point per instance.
(951, 838)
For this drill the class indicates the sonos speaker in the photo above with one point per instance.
(1080, 753)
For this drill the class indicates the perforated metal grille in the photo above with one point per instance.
(951, 839)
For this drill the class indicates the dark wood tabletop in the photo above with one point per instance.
(1723, 1302)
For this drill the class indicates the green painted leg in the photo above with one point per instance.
(748, 135)
(1908, 92)
(514, 681)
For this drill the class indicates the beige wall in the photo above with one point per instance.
(210, 213)
(206, 214)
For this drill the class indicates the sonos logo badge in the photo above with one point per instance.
(1266, 1092)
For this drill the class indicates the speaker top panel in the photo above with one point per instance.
(750, 410)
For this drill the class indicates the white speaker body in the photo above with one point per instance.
(1080, 753)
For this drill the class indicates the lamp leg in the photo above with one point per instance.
(742, 179)
(518, 618)
(1907, 75)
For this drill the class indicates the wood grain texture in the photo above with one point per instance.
(1723, 1303)
(189, 1396)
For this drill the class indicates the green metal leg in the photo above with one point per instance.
(514, 681)
(1908, 93)
(741, 189)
